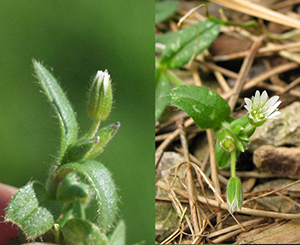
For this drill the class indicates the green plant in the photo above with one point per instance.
(55, 212)
(209, 110)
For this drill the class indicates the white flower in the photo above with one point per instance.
(103, 77)
(260, 108)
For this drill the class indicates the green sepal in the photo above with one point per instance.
(256, 124)
(98, 176)
(61, 105)
(32, 210)
(100, 98)
(118, 236)
(105, 135)
(71, 189)
(89, 149)
(239, 125)
(234, 194)
(207, 108)
(83, 232)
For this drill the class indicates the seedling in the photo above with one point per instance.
(209, 110)
(55, 212)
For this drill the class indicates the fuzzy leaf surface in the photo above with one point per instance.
(183, 45)
(118, 236)
(32, 210)
(102, 183)
(164, 10)
(62, 107)
(83, 232)
(207, 108)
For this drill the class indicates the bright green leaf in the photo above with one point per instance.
(62, 107)
(206, 107)
(163, 86)
(32, 210)
(164, 10)
(187, 43)
(222, 156)
(102, 183)
(118, 236)
(82, 232)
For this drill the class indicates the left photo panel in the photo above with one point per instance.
(76, 158)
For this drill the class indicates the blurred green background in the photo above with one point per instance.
(77, 38)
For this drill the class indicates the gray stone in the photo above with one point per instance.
(279, 132)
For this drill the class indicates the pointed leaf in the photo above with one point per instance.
(101, 181)
(207, 108)
(33, 210)
(82, 232)
(164, 10)
(62, 107)
(118, 236)
(188, 43)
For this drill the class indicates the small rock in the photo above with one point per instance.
(285, 130)
(281, 161)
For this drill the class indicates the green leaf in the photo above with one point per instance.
(102, 183)
(164, 10)
(82, 232)
(32, 210)
(222, 156)
(162, 86)
(206, 107)
(188, 43)
(118, 236)
(62, 107)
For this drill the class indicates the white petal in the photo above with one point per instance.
(247, 108)
(273, 108)
(271, 101)
(248, 102)
(250, 115)
(264, 96)
(257, 120)
(257, 97)
(274, 115)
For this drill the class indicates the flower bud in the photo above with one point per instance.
(100, 96)
(226, 139)
(234, 194)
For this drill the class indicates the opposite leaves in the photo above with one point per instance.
(206, 107)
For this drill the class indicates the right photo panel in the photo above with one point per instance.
(227, 128)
